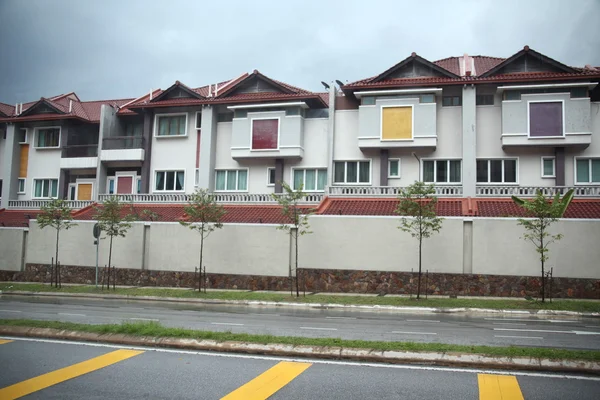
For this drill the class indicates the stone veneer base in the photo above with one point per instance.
(331, 280)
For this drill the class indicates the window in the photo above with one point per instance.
(352, 172)
(72, 191)
(310, 179)
(484, 100)
(546, 119)
(172, 125)
(451, 101)
(396, 123)
(427, 98)
(169, 181)
(579, 92)
(265, 134)
(442, 171)
(110, 185)
(133, 130)
(588, 170)
(240, 114)
(22, 135)
(21, 185)
(197, 177)
(270, 176)
(496, 171)
(394, 168)
(294, 111)
(199, 120)
(368, 101)
(48, 137)
(45, 188)
(548, 167)
(225, 117)
(138, 185)
(234, 180)
(512, 95)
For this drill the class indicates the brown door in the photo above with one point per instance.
(124, 184)
(84, 191)
(24, 161)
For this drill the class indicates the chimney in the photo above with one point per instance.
(70, 105)
(16, 108)
(150, 94)
(216, 89)
(468, 66)
(210, 90)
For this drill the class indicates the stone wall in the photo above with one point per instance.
(335, 281)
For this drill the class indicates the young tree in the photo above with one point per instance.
(113, 220)
(57, 215)
(542, 213)
(418, 202)
(297, 219)
(203, 214)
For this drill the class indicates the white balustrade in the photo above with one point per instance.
(228, 198)
(37, 204)
(530, 191)
(388, 191)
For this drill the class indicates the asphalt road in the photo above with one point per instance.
(44, 369)
(473, 329)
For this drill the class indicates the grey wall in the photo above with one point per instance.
(11, 248)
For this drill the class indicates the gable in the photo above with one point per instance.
(256, 85)
(414, 69)
(177, 93)
(41, 108)
(528, 63)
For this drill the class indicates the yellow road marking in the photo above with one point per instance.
(60, 375)
(4, 341)
(499, 387)
(269, 382)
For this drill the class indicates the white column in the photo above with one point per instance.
(208, 148)
(11, 159)
(469, 141)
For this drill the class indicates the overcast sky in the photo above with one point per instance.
(117, 48)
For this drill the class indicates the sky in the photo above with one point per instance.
(124, 48)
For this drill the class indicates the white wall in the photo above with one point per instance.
(592, 151)
(76, 246)
(498, 248)
(41, 164)
(375, 243)
(11, 248)
(2, 145)
(449, 132)
(243, 249)
(175, 153)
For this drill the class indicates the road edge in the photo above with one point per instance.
(398, 309)
(315, 352)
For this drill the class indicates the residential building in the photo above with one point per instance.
(474, 126)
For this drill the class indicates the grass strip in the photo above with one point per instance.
(561, 305)
(155, 329)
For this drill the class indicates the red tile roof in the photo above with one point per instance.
(482, 63)
(6, 109)
(361, 206)
(17, 218)
(579, 208)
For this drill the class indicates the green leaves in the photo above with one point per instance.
(56, 214)
(418, 202)
(203, 213)
(112, 217)
(297, 217)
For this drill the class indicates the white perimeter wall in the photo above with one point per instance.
(11, 248)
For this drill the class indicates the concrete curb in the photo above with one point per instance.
(332, 353)
(398, 309)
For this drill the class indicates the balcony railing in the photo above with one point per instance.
(37, 204)
(231, 198)
(122, 142)
(388, 191)
(530, 191)
(80, 150)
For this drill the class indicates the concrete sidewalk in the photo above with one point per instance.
(317, 352)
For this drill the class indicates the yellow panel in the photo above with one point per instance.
(498, 387)
(24, 160)
(397, 123)
(84, 191)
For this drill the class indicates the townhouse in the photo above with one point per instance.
(473, 126)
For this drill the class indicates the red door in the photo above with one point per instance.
(124, 184)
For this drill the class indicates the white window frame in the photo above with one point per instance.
(123, 174)
(72, 186)
(196, 177)
(237, 180)
(108, 179)
(156, 127)
(370, 160)
(19, 186)
(553, 167)
(399, 168)
(138, 180)
(278, 132)
(436, 160)
(489, 171)
(529, 121)
(196, 121)
(45, 179)
(36, 140)
(154, 190)
(316, 169)
(412, 128)
(85, 182)
(27, 136)
(589, 183)
(269, 176)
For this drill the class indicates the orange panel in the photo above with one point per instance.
(84, 191)
(397, 123)
(24, 160)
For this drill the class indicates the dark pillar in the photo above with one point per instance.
(279, 175)
(63, 184)
(147, 145)
(559, 154)
(384, 155)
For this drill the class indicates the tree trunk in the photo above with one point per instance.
(419, 279)
(201, 250)
(56, 257)
(296, 245)
(109, 261)
(542, 259)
